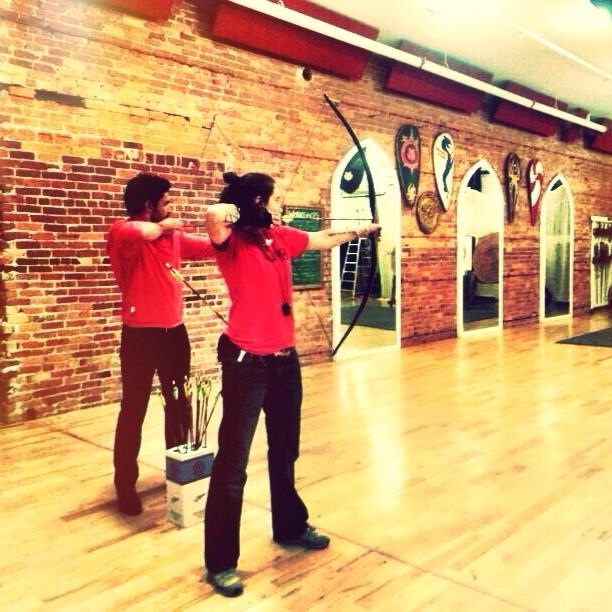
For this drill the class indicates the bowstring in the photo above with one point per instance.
(168, 267)
(315, 124)
(372, 198)
(301, 157)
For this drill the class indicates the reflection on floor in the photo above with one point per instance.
(365, 338)
(375, 327)
(377, 313)
(480, 324)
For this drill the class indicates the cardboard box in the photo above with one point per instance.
(187, 475)
(185, 502)
(184, 466)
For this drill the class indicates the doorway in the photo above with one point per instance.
(556, 250)
(480, 236)
(379, 324)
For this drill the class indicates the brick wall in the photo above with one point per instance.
(89, 96)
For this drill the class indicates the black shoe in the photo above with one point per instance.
(310, 539)
(129, 503)
(227, 583)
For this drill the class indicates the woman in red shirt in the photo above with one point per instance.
(260, 368)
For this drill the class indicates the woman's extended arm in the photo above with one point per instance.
(329, 238)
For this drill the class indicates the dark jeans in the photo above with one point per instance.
(274, 384)
(144, 351)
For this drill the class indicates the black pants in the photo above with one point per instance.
(275, 384)
(144, 351)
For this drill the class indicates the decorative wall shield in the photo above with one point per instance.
(443, 154)
(408, 157)
(428, 212)
(513, 177)
(535, 176)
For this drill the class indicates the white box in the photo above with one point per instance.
(185, 502)
(184, 466)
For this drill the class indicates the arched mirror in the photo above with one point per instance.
(378, 326)
(480, 235)
(556, 249)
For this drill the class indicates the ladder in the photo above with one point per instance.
(357, 258)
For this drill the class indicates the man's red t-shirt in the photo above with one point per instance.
(150, 295)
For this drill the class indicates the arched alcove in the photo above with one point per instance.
(480, 235)
(378, 326)
(556, 249)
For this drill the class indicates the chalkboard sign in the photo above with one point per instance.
(306, 269)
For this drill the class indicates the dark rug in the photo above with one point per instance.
(479, 308)
(601, 337)
(381, 317)
(480, 312)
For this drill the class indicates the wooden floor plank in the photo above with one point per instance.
(466, 474)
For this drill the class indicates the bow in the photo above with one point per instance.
(174, 272)
(372, 198)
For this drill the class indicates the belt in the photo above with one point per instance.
(245, 355)
(228, 351)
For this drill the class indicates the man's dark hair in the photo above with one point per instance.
(142, 188)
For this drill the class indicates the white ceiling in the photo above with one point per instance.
(562, 48)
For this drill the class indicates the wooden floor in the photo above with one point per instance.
(469, 474)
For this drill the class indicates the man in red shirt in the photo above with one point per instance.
(153, 336)
(260, 369)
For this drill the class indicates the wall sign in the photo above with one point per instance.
(306, 270)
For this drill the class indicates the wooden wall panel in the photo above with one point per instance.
(524, 118)
(255, 31)
(601, 142)
(423, 85)
(151, 9)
